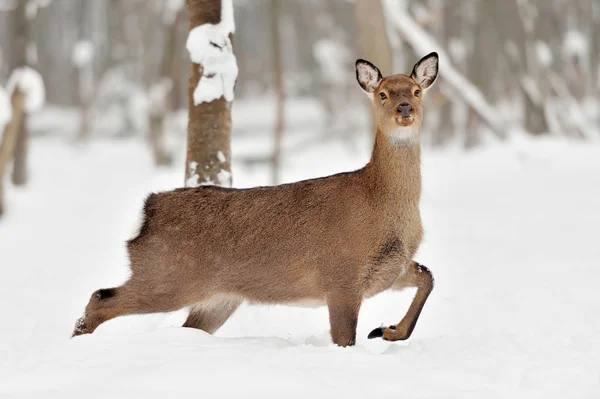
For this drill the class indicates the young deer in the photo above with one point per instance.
(330, 241)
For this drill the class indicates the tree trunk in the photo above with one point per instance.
(176, 64)
(10, 137)
(160, 109)
(373, 41)
(452, 25)
(157, 138)
(21, 32)
(279, 88)
(481, 66)
(209, 123)
(523, 62)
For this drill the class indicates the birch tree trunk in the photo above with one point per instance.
(209, 123)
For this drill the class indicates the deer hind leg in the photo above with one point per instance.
(104, 304)
(343, 318)
(418, 276)
(107, 303)
(210, 315)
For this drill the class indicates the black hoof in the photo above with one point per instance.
(377, 333)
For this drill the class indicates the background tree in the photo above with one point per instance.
(279, 89)
(212, 77)
(373, 41)
(535, 63)
(23, 46)
(10, 138)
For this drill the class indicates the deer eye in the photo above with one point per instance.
(382, 96)
(417, 93)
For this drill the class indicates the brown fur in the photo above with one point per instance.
(333, 241)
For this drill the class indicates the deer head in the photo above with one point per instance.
(398, 98)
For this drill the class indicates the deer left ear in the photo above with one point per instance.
(425, 71)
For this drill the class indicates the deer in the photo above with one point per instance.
(332, 241)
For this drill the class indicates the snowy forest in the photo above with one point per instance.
(102, 103)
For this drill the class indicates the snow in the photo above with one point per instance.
(158, 95)
(32, 7)
(8, 5)
(194, 179)
(210, 46)
(83, 53)
(457, 49)
(333, 58)
(224, 178)
(510, 236)
(544, 53)
(30, 82)
(575, 44)
(172, 8)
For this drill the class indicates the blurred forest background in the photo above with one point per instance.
(121, 66)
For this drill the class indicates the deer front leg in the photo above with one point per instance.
(418, 276)
(343, 318)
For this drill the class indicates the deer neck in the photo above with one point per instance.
(394, 171)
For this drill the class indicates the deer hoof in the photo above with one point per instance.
(377, 333)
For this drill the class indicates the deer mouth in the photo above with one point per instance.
(405, 120)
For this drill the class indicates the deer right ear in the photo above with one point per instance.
(425, 71)
(368, 76)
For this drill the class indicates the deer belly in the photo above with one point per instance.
(307, 303)
(382, 280)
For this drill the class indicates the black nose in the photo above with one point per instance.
(405, 109)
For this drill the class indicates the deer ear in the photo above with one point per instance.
(426, 70)
(368, 76)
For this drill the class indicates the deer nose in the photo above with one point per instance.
(404, 109)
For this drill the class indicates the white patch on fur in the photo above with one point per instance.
(217, 301)
(307, 303)
(300, 303)
(403, 136)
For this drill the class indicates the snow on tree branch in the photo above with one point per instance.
(210, 46)
(423, 43)
(30, 82)
(82, 53)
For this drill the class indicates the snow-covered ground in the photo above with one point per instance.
(511, 237)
